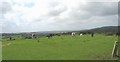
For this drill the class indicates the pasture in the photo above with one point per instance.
(63, 47)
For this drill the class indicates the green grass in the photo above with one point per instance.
(60, 48)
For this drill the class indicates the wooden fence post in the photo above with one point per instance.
(115, 50)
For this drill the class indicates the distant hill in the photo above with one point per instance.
(106, 29)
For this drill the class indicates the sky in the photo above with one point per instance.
(51, 15)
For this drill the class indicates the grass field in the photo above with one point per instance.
(60, 48)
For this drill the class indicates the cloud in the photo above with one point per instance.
(57, 10)
(101, 8)
(47, 15)
(5, 7)
(10, 26)
(92, 9)
(92, 14)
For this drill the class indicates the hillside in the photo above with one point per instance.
(106, 29)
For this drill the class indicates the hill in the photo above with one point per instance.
(105, 29)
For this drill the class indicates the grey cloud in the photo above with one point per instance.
(87, 24)
(79, 15)
(101, 8)
(92, 9)
(85, 12)
(93, 14)
(57, 9)
(56, 12)
(5, 7)
(53, 4)
(10, 27)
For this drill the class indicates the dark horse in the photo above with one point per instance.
(49, 36)
(92, 34)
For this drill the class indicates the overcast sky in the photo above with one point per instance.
(49, 15)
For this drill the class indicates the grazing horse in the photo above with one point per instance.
(33, 36)
(92, 34)
(49, 36)
(10, 38)
(73, 34)
(118, 34)
(81, 34)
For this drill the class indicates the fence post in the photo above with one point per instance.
(115, 50)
